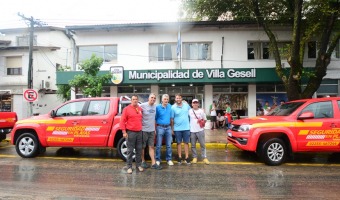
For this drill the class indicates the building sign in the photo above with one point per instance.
(117, 74)
(211, 75)
(196, 74)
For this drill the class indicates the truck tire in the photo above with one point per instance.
(122, 149)
(27, 145)
(2, 137)
(274, 152)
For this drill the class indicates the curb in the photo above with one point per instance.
(210, 145)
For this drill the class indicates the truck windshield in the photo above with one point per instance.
(285, 109)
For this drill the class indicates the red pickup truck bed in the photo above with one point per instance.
(7, 121)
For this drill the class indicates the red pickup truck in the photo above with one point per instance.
(7, 121)
(87, 122)
(309, 125)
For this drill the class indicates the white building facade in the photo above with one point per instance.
(52, 48)
(210, 61)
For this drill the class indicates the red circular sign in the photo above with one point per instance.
(30, 95)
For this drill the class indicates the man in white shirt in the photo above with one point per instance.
(197, 131)
(220, 120)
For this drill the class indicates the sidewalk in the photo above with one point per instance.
(216, 136)
(215, 139)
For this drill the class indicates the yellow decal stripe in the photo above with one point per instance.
(287, 124)
(56, 139)
(303, 132)
(50, 128)
(42, 121)
(321, 143)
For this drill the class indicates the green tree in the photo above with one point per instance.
(90, 82)
(310, 20)
(64, 91)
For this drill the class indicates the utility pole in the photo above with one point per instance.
(32, 23)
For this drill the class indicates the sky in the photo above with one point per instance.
(61, 13)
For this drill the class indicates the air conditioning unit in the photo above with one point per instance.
(45, 84)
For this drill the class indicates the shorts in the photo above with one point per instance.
(213, 118)
(182, 136)
(148, 139)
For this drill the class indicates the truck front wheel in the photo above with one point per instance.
(122, 149)
(27, 145)
(274, 152)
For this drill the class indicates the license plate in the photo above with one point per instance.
(230, 134)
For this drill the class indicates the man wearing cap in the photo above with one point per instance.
(197, 132)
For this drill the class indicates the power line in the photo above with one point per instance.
(32, 23)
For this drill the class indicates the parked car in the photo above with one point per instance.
(7, 121)
(309, 125)
(87, 122)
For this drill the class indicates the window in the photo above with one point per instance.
(98, 108)
(312, 49)
(71, 109)
(134, 89)
(196, 51)
(261, 50)
(108, 53)
(163, 52)
(320, 109)
(270, 88)
(230, 88)
(25, 40)
(13, 65)
(14, 71)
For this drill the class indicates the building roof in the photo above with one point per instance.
(174, 25)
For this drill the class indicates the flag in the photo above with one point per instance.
(179, 43)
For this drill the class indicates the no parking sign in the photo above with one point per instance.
(30, 95)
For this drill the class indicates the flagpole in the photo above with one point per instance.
(179, 47)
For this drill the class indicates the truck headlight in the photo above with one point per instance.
(244, 128)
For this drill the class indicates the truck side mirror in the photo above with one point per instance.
(53, 113)
(306, 115)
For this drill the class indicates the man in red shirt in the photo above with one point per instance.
(131, 126)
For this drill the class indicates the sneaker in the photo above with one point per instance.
(129, 171)
(140, 169)
(170, 163)
(179, 160)
(155, 166)
(158, 162)
(206, 161)
(194, 160)
(145, 165)
(187, 161)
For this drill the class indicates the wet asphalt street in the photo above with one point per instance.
(100, 174)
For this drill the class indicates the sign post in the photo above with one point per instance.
(30, 96)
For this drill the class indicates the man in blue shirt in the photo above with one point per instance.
(181, 126)
(163, 128)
